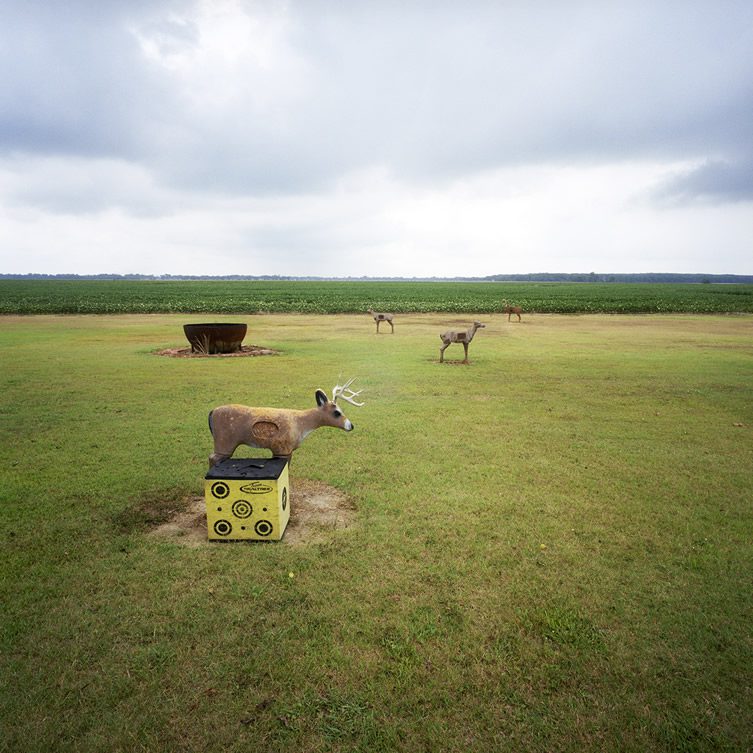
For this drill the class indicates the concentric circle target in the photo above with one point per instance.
(284, 497)
(223, 527)
(242, 508)
(263, 528)
(220, 490)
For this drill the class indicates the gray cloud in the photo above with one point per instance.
(714, 181)
(82, 185)
(428, 92)
(264, 122)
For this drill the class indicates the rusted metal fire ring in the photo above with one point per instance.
(215, 337)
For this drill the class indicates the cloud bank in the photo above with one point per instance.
(375, 138)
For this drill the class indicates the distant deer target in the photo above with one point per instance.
(463, 336)
(510, 310)
(381, 317)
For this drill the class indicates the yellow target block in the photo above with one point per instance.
(248, 498)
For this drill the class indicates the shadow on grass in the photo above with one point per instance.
(151, 509)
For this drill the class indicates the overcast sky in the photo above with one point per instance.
(376, 137)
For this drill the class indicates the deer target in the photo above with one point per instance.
(280, 430)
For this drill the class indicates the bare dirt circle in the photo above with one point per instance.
(316, 509)
(246, 350)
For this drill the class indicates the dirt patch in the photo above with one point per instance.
(316, 509)
(151, 509)
(187, 527)
(246, 350)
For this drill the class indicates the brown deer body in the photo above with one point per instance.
(510, 310)
(382, 317)
(458, 336)
(277, 429)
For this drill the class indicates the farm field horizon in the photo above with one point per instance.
(252, 297)
(550, 547)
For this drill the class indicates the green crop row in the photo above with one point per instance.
(244, 297)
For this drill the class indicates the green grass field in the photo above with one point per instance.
(244, 297)
(552, 546)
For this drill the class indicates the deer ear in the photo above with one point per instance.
(321, 398)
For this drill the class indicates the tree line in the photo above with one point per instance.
(668, 277)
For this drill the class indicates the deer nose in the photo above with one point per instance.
(349, 425)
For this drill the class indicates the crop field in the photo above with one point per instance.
(547, 549)
(241, 297)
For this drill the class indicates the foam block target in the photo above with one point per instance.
(247, 498)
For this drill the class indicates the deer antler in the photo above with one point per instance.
(343, 391)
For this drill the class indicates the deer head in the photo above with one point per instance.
(331, 415)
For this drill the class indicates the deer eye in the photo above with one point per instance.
(337, 414)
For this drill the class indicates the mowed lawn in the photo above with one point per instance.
(552, 547)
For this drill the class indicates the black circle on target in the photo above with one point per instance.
(220, 489)
(242, 508)
(284, 497)
(222, 527)
(263, 528)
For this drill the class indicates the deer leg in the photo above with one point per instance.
(377, 323)
(393, 327)
(465, 347)
(441, 352)
(223, 449)
(217, 457)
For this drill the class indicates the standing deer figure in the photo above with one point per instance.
(458, 336)
(382, 318)
(277, 429)
(510, 310)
